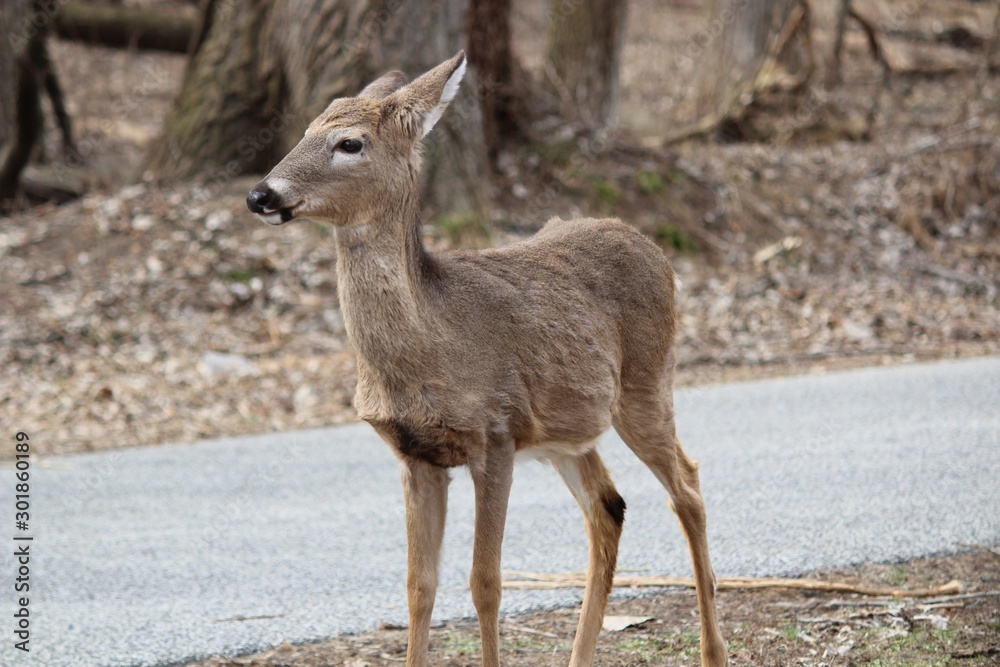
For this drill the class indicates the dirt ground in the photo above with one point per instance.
(763, 628)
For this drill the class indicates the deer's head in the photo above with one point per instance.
(359, 151)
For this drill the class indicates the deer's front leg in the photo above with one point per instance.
(492, 478)
(425, 489)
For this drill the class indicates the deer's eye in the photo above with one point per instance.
(350, 145)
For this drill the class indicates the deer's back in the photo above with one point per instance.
(563, 320)
(572, 271)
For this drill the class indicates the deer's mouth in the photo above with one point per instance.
(278, 216)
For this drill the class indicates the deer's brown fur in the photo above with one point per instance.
(469, 357)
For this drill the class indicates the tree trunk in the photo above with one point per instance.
(22, 59)
(262, 70)
(746, 35)
(231, 89)
(501, 92)
(456, 166)
(584, 50)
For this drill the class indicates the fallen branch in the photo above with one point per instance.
(531, 631)
(967, 596)
(125, 27)
(541, 581)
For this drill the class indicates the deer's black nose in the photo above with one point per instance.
(263, 199)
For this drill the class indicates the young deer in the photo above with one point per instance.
(469, 357)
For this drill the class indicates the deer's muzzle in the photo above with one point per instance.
(267, 204)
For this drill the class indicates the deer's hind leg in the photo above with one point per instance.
(645, 422)
(604, 513)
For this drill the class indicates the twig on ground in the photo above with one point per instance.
(966, 596)
(858, 603)
(542, 581)
(531, 631)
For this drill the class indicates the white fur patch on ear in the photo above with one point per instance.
(447, 95)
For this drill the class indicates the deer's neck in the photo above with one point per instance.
(383, 274)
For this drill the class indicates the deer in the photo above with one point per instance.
(479, 357)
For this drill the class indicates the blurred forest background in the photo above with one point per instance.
(824, 174)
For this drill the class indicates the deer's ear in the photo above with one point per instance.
(419, 105)
(384, 86)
